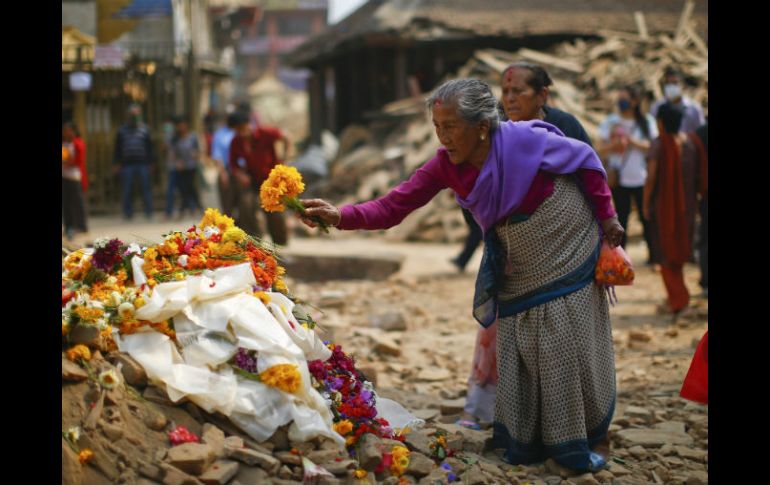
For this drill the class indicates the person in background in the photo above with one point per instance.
(185, 157)
(172, 184)
(134, 159)
(625, 138)
(692, 113)
(525, 89)
(209, 126)
(74, 180)
(670, 198)
(252, 157)
(703, 243)
(220, 153)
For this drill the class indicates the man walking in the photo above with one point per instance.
(133, 159)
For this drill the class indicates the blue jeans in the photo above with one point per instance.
(128, 173)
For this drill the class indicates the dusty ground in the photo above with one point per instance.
(426, 365)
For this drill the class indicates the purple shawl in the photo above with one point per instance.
(519, 150)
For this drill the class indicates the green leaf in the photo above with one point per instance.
(246, 374)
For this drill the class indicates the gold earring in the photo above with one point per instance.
(482, 137)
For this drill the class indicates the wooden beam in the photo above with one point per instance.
(550, 60)
(627, 36)
(490, 60)
(684, 20)
(693, 36)
(641, 25)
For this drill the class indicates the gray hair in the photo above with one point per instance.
(473, 99)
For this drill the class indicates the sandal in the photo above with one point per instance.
(467, 423)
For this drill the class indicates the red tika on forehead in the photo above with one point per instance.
(509, 74)
(438, 103)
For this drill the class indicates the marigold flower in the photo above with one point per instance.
(235, 234)
(264, 297)
(85, 456)
(343, 427)
(400, 460)
(361, 473)
(89, 314)
(285, 377)
(212, 217)
(79, 351)
(139, 302)
(283, 183)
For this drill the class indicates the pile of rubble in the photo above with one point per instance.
(399, 138)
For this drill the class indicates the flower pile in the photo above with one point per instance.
(351, 398)
(100, 300)
(281, 189)
(97, 287)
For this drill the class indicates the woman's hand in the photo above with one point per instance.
(322, 210)
(613, 231)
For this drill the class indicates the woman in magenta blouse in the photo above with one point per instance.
(542, 201)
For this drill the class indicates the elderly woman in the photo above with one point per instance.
(522, 182)
(525, 89)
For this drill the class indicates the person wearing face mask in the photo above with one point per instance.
(133, 158)
(624, 140)
(672, 91)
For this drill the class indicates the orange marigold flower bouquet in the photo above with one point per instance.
(280, 191)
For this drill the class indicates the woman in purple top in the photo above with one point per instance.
(525, 91)
(541, 200)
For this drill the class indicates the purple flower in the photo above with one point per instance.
(366, 395)
(336, 383)
(245, 361)
(451, 477)
(105, 258)
(446, 466)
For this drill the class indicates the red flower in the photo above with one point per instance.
(180, 435)
(387, 460)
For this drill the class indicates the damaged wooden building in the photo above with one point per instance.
(393, 49)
